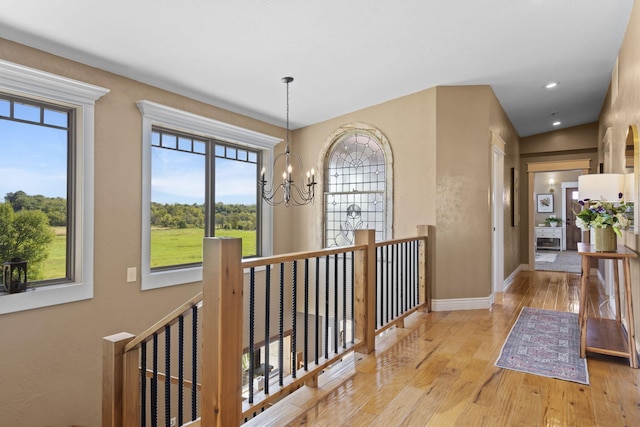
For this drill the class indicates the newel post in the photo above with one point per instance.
(365, 289)
(113, 378)
(222, 284)
(427, 264)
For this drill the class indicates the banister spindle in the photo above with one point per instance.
(252, 303)
(194, 364)
(281, 330)
(180, 369)
(267, 306)
(306, 314)
(294, 305)
(143, 383)
(154, 383)
(167, 378)
(317, 331)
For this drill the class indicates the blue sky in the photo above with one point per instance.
(178, 177)
(33, 159)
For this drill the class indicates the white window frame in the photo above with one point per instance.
(28, 82)
(154, 114)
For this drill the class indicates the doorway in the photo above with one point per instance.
(497, 216)
(573, 234)
(549, 182)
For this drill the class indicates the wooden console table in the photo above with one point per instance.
(606, 336)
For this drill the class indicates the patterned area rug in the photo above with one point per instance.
(547, 343)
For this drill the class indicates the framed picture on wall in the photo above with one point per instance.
(545, 202)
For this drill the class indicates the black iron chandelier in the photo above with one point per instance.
(288, 192)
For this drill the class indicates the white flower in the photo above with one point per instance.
(581, 224)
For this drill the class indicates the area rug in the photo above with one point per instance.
(547, 343)
(540, 257)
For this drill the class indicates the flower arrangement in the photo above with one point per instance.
(597, 214)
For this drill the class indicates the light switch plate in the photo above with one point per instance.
(131, 274)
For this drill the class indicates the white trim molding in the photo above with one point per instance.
(29, 82)
(461, 304)
(509, 281)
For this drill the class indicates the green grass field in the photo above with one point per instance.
(168, 247)
(182, 246)
(54, 265)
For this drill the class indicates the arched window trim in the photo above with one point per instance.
(324, 156)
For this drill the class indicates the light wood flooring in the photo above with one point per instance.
(439, 371)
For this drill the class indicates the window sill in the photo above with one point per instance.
(182, 276)
(45, 296)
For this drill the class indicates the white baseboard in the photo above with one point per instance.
(509, 281)
(461, 304)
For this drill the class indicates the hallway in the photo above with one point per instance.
(439, 371)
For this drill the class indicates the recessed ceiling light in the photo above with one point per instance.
(557, 123)
(551, 85)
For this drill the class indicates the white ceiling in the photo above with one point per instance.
(343, 54)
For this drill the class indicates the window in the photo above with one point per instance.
(47, 128)
(357, 179)
(199, 179)
(181, 212)
(37, 143)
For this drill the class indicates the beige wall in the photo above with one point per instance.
(500, 125)
(620, 113)
(408, 123)
(50, 372)
(466, 116)
(577, 138)
(440, 139)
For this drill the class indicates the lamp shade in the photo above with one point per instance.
(606, 187)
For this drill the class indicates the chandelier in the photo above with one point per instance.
(288, 192)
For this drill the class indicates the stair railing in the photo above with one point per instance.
(265, 327)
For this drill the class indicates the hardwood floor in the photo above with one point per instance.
(439, 371)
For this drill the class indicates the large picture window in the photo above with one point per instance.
(46, 184)
(37, 146)
(199, 179)
(184, 169)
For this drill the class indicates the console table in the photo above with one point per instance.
(606, 336)
(549, 233)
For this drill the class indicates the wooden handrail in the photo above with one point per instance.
(297, 256)
(397, 241)
(167, 320)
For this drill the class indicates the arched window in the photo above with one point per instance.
(358, 185)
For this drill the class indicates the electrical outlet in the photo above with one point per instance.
(131, 274)
(174, 422)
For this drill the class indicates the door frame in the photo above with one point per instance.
(565, 185)
(497, 215)
(581, 164)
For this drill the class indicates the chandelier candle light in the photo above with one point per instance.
(288, 192)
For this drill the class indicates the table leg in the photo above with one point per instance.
(616, 283)
(633, 360)
(582, 309)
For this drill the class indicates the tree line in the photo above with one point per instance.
(55, 208)
(163, 215)
(227, 216)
